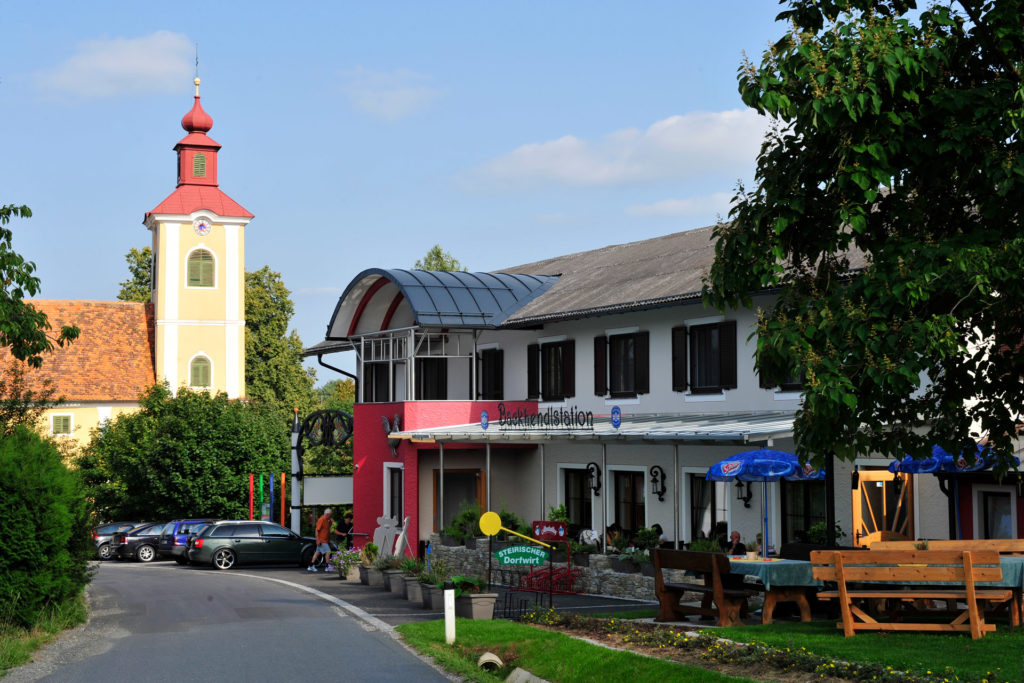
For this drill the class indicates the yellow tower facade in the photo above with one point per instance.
(199, 271)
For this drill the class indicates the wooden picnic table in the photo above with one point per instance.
(783, 580)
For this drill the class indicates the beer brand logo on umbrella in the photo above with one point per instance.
(808, 470)
(961, 463)
(730, 467)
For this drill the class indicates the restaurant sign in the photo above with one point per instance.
(521, 555)
(553, 418)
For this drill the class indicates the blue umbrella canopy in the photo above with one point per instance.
(942, 462)
(763, 465)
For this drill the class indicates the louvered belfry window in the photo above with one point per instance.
(199, 372)
(199, 165)
(200, 268)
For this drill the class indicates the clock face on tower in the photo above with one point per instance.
(201, 226)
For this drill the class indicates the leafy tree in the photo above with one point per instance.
(44, 524)
(19, 403)
(438, 259)
(897, 147)
(138, 286)
(273, 356)
(23, 327)
(183, 455)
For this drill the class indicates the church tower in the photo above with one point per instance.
(199, 270)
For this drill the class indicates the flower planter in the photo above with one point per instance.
(647, 569)
(413, 591)
(450, 541)
(394, 581)
(624, 566)
(475, 605)
(374, 577)
(581, 560)
(433, 597)
(559, 555)
(364, 575)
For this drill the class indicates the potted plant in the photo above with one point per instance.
(375, 574)
(581, 553)
(705, 545)
(463, 529)
(343, 561)
(647, 540)
(367, 556)
(470, 600)
(630, 560)
(436, 571)
(389, 569)
(411, 568)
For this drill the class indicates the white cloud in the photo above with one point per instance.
(718, 202)
(158, 62)
(683, 146)
(389, 95)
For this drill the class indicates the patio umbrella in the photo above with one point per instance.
(942, 462)
(763, 465)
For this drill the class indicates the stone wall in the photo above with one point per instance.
(597, 579)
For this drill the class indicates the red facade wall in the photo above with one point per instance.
(370, 451)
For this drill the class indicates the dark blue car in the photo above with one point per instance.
(174, 538)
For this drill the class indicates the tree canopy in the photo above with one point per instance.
(273, 355)
(438, 259)
(896, 148)
(138, 286)
(184, 455)
(23, 327)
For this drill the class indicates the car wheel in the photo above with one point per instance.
(145, 553)
(104, 551)
(307, 557)
(223, 559)
(181, 560)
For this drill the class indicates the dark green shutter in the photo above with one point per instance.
(678, 359)
(642, 357)
(600, 365)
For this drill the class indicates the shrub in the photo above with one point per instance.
(369, 554)
(44, 524)
(558, 514)
(465, 525)
(647, 539)
(704, 545)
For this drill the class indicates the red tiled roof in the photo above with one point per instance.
(188, 198)
(112, 359)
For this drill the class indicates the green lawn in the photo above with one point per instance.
(995, 657)
(549, 655)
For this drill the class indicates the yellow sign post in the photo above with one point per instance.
(490, 525)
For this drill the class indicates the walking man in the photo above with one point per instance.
(323, 537)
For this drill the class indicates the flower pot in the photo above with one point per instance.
(497, 545)
(449, 541)
(374, 577)
(364, 575)
(624, 566)
(413, 591)
(559, 555)
(647, 569)
(394, 581)
(433, 597)
(475, 605)
(581, 560)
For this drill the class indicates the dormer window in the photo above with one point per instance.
(199, 165)
(201, 269)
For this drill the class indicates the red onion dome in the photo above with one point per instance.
(197, 120)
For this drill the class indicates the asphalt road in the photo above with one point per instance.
(162, 622)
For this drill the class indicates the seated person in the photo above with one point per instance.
(734, 546)
(662, 539)
(612, 534)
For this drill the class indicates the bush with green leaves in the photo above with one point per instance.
(465, 525)
(647, 539)
(704, 545)
(44, 524)
(183, 455)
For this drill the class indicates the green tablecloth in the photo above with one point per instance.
(777, 572)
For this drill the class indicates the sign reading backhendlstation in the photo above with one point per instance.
(521, 555)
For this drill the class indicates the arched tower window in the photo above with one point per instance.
(200, 268)
(199, 165)
(199, 372)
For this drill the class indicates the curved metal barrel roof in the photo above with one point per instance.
(459, 299)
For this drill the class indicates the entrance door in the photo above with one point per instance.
(461, 488)
(883, 507)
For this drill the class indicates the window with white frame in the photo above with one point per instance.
(995, 512)
(199, 372)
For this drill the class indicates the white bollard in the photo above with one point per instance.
(449, 615)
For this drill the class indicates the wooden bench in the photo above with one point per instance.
(912, 575)
(1003, 546)
(730, 603)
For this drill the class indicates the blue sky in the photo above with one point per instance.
(360, 134)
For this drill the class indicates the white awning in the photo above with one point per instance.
(707, 428)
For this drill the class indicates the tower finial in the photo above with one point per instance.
(196, 79)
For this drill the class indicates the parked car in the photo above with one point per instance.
(227, 543)
(173, 541)
(101, 536)
(138, 543)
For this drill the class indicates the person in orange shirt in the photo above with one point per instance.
(323, 537)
